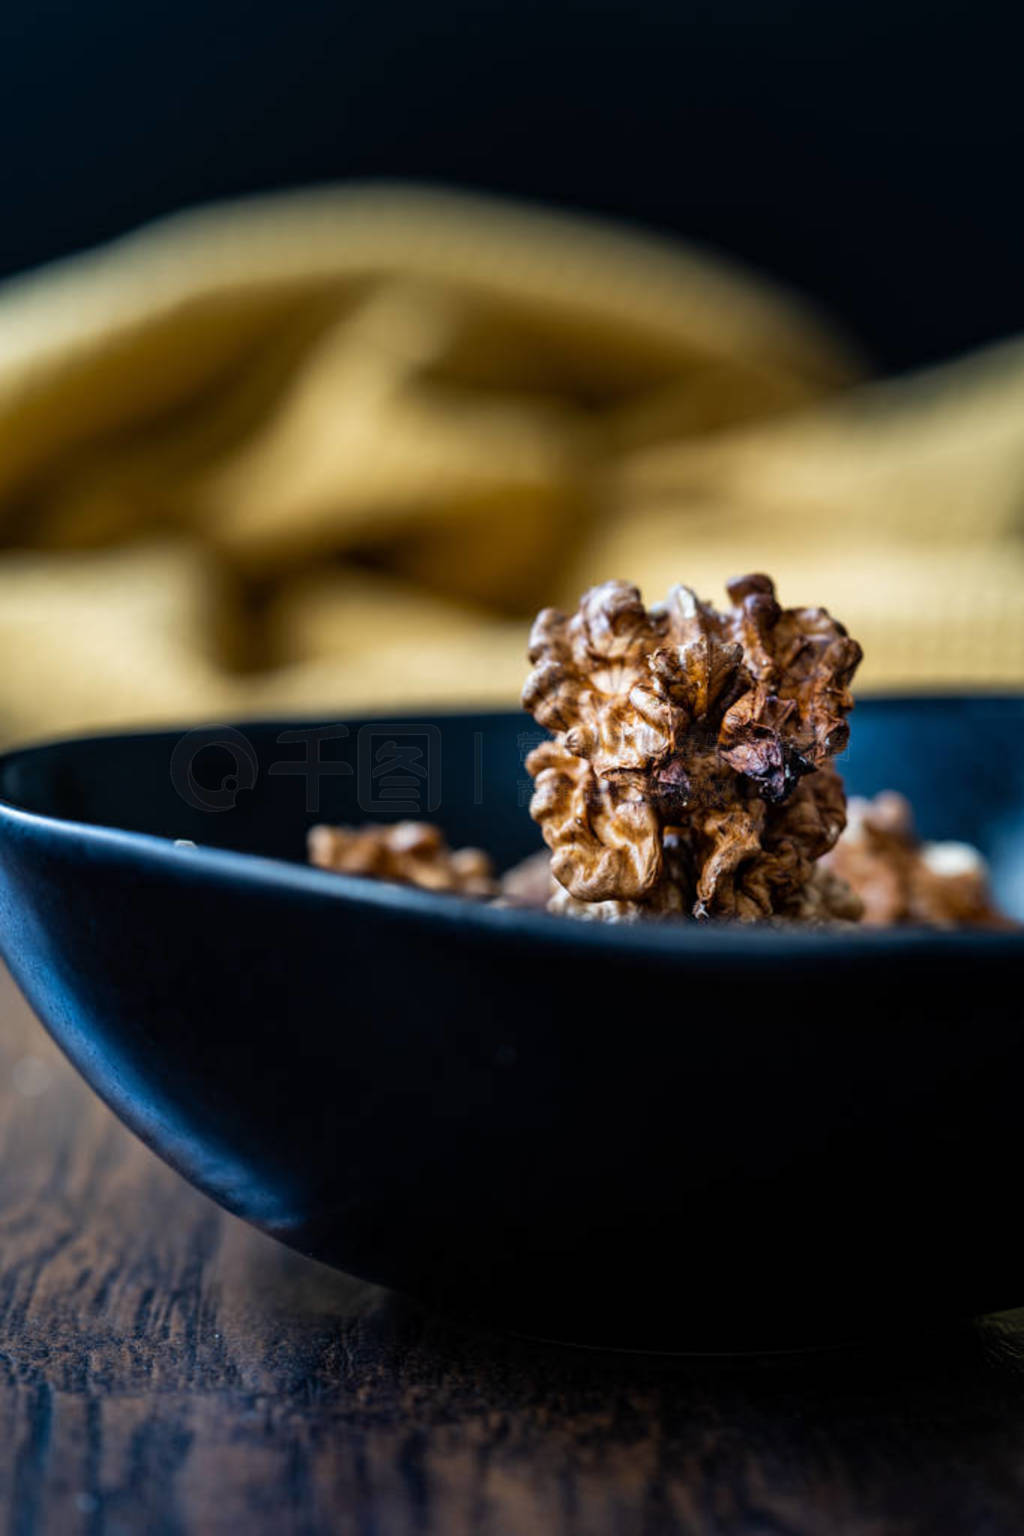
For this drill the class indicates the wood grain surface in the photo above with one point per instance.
(164, 1369)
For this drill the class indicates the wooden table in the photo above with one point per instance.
(165, 1369)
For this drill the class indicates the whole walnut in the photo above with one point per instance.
(689, 767)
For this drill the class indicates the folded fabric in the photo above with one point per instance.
(329, 450)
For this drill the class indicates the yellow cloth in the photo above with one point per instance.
(331, 449)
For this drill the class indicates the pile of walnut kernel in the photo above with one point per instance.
(406, 852)
(690, 776)
(902, 880)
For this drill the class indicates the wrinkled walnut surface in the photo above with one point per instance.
(409, 852)
(529, 883)
(825, 898)
(689, 769)
(902, 880)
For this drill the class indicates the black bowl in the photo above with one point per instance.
(656, 1137)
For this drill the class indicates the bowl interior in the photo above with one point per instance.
(257, 788)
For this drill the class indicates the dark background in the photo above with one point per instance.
(868, 150)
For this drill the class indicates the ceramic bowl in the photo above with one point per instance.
(666, 1137)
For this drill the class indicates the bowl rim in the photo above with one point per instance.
(661, 941)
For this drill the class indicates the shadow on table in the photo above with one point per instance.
(917, 1429)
